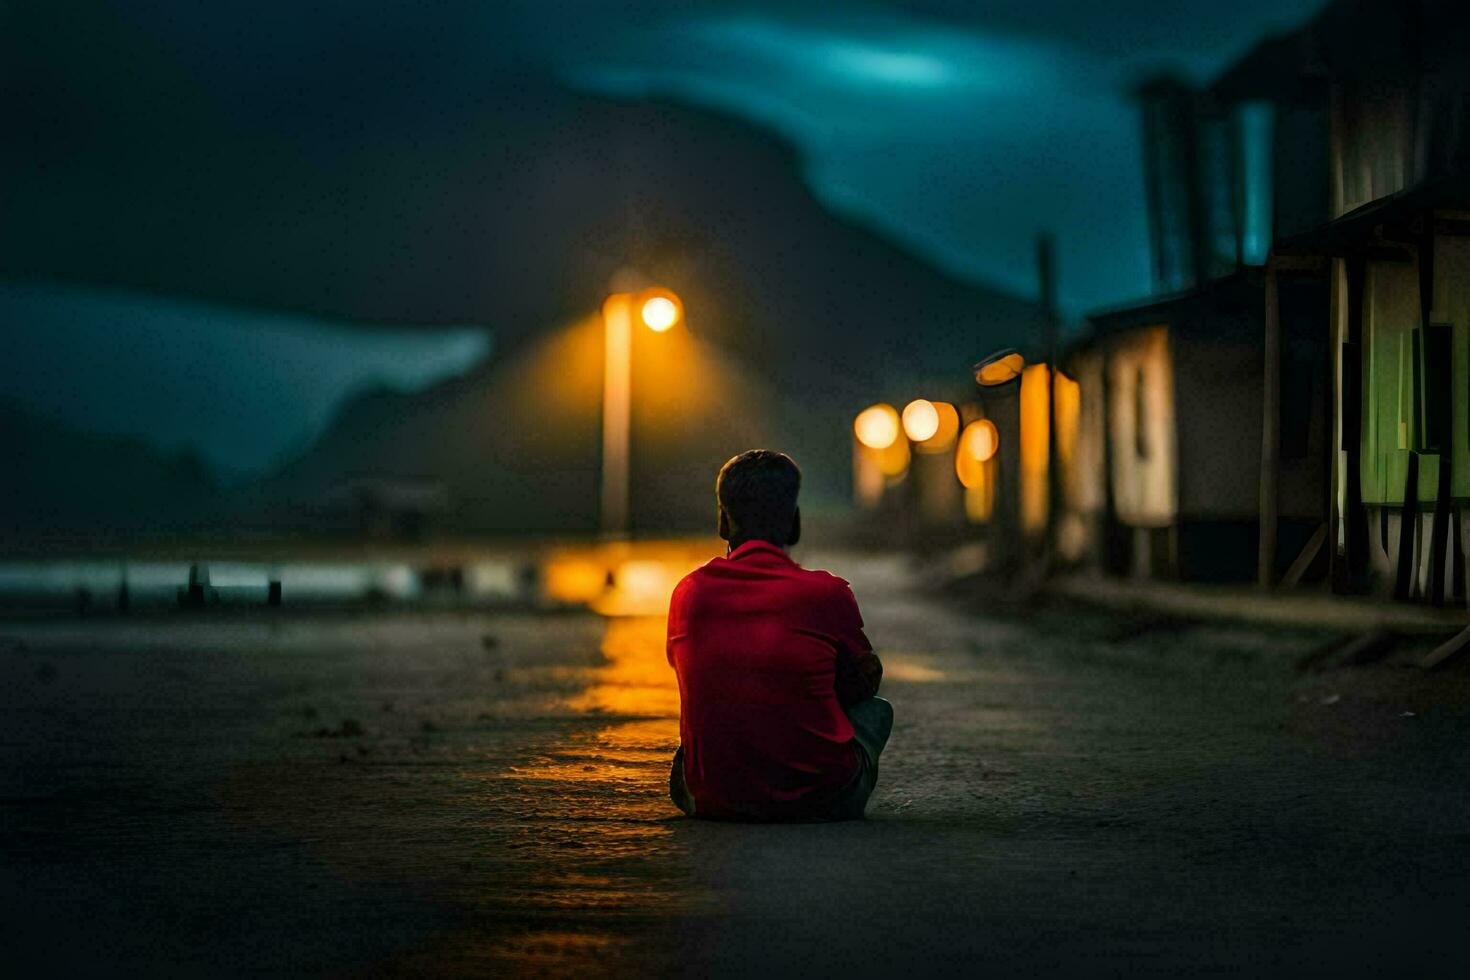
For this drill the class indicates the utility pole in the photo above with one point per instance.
(1047, 289)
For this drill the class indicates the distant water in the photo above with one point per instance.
(98, 584)
(615, 579)
(243, 388)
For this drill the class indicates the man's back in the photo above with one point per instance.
(767, 654)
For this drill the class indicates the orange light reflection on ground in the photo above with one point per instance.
(574, 579)
(606, 789)
(637, 680)
(900, 668)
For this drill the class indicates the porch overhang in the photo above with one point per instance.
(1385, 227)
(1240, 293)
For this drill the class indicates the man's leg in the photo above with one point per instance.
(678, 790)
(872, 721)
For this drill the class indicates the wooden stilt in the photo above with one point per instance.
(1439, 533)
(1354, 517)
(1304, 560)
(1403, 587)
(1434, 368)
(1457, 535)
(1270, 437)
(1351, 651)
(1447, 651)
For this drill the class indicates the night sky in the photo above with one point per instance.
(958, 130)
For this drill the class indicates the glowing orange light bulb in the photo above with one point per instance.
(920, 420)
(876, 426)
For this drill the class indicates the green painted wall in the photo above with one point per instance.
(1390, 424)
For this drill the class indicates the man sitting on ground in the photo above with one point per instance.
(778, 717)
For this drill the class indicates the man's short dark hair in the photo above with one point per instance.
(757, 491)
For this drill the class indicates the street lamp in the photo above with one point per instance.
(974, 451)
(877, 426)
(659, 310)
(978, 443)
(1002, 368)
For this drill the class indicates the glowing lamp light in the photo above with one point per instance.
(573, 579)
(920, 420)
(980, 440)
(660, 311)
(893, 462)
(876, 426)
(644, 580)
(945, 432)
(976, 449)
(1000, 368)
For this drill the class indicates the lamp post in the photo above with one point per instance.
(658, 310)
(997, 373)
(1005, 366)
(1001, 369)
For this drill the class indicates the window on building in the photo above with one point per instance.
(1140, 414)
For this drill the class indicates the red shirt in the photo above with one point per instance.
(767, 654)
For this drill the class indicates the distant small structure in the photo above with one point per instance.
(198, 593)
(387, 506)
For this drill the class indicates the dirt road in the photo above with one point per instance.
(1064, 794)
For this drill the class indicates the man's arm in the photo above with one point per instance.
(859, 671)
(678, 618)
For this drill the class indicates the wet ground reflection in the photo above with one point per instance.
(636, 680)
(507, 796)
(409, 791)
(594, 830)
(601, 792)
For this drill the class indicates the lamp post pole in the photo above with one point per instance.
(999, 371)
(617, 403)
(658, 309)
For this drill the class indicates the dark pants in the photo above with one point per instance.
(872, 721)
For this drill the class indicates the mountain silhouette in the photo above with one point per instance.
(61, 482)
(796, 320)
(516, 211)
